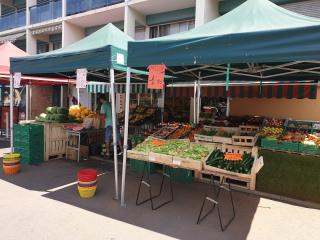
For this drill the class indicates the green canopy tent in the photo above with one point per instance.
(259, 39)
(103, 54)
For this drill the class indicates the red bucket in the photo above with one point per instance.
(87, 175)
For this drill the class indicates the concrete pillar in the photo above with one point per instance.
(206, 10)
(29, 3)
(31, 43)
(64, 8)
(131, 16)
(71, 33)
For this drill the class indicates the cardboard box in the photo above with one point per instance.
(73, 154)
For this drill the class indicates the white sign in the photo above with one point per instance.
(81, 78)
(120, 58)
(17, 80)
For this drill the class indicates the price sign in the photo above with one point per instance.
(176, 162)
(17, 80)
(81, 78)
(156, 76)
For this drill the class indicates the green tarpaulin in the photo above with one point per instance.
(103, 49)
(257, 31)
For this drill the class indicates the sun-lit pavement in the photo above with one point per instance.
(42, 203)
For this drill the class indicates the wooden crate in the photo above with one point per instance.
(133, 154)
(248, 129)
(55, 141)
(246, 141)
(203, 138)
(216, 139)
(160, 158)
(250, 179)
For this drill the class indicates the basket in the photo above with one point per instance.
(11, 170)
(87, 192)
(87, 175)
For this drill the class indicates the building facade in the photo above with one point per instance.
(38, 26)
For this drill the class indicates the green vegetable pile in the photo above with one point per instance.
(177, 148)
(216, 159)
(208, 132)
(195, 152)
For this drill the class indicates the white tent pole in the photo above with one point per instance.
(228, 107)
(194, 101)
(138, 99)
(27, 102)
(78, 96)
(162, 102)
(114, 133)
(61, 96)
(198, 102)
(11, 113)
(125, 141)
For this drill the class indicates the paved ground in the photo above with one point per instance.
(42, 203)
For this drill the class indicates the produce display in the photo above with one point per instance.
(231, 161)
(217, 132)
(139, 115)
(274, 122)
(178, 148)
(271, 132)
(181, 132)
(312, 139)
(165, 132)
(80, 112)
(54, 114)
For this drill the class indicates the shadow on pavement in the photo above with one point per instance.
(177, 219)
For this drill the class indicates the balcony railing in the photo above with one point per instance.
(44, 12)
(78, 6)
(13, 20)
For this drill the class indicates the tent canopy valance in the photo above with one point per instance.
(255, 38)
(99, 87)
(103, 49)
(276, 89)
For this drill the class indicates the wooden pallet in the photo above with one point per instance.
(55, 140)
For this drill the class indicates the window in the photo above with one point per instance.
(171, 28)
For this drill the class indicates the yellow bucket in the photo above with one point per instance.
(87, 192)
(12, 156)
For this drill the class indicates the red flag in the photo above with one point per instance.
(156, 76)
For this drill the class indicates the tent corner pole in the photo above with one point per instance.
(228, 107)
(61, 95)
(114, 134)
(198, 101)
(11, 113)
(27, 102)
(194, 101)
(125, 141)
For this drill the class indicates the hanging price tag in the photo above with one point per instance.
(156, 76)
(17, 80)
(81, 78)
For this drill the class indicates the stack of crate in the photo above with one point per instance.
(28, 140)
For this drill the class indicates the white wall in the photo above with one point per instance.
(71, 33)
(206, 10)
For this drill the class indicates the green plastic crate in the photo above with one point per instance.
(309, 149)
(137, 166)
(274, 144)
(28, 140)
(180, 175)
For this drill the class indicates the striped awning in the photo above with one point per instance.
(265, 91)
(94, 87)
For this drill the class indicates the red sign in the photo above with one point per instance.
(156, 76)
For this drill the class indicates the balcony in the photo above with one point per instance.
(13, 20)
(47, 11)
(78, 6)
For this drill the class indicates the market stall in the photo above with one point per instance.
(8, 50)
(103, 54)
(256, 42)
